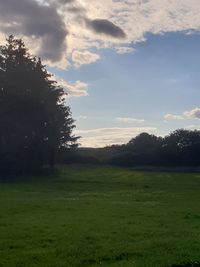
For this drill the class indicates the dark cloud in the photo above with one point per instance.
(30, 18)
(104, 26)
(41, 20)
(64, 2)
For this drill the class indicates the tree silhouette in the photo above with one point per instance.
(179, 148)
(35, 122)
(145, 143)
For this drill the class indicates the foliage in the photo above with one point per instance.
(179, 148)
(69, 156)
(182, 147)
(34, 119)
(145, 143)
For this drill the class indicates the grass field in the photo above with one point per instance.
(100, 216)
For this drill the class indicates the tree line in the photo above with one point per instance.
(180, 148)
(35, 120)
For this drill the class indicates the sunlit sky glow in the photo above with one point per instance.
(128, 66)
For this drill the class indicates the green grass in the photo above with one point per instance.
(100, 216)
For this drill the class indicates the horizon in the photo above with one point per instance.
(128, 67)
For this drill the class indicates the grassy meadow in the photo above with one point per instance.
(87, 216)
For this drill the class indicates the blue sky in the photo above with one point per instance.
(128, 66)
(160, 77)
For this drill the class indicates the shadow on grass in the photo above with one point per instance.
(45, 173)
(192, 264)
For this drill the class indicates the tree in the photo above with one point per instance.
(181, 147)
(144, 143)
(35, 122)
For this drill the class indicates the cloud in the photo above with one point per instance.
(64, 2)
(129, 120)
(124, 50)
(173, 117)
(54, 29)
(76, 89)
(82, 117)
(41, 23)
(192, 114)
(193, 127)
(104, 26)
(108, 136)
(84, 57)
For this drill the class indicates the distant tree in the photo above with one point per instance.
(181, 147)
(144, 143)
(140, 150)
(35, 122)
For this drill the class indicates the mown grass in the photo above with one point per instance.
(88, 216)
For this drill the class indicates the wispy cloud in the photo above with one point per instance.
(80, 58)
(124, 50)
(129, 120)
(82, 117)
(108, 136)
(76, 89)
(169, 117)
(193, 127)
(192, 114)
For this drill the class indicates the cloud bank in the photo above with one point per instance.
(63, 31)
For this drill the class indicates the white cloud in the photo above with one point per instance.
(193, 127)
(124, 50)
(173, 117)
(80, 58)
(192, 114)
(129, 120)
(76, 89)
(56, 42)
(136, 18)
(108, 136)
(82, 117)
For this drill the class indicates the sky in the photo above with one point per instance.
(128, 66)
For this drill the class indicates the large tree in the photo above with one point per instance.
(35, 121)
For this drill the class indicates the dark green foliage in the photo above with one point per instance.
(34, 119)
(99, 154)
(69, 156)
(180, 148)
(145, 143)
